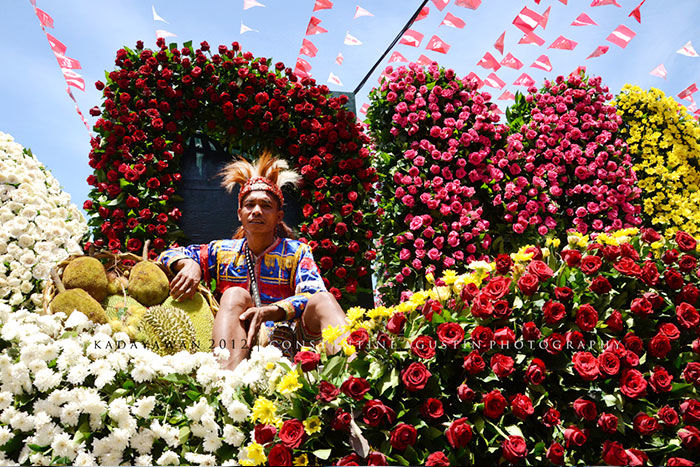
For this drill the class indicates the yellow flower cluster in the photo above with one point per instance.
(664, 142)
(617, 237)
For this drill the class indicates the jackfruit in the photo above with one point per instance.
(86, 273)
(148, 283)
(201, 317)
(78, 299)
(123, 307)
(167, 330)
(116, 284)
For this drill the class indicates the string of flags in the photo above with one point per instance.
(161, 33)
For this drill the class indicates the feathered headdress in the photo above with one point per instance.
(268, 173)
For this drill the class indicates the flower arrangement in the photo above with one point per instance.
(434, 136)
(39, 226)
(156, 99)
(664, 141)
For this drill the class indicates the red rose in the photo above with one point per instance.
(690, 408)
(307, 359)
(502, 365)
(355, 388)
(600, 285)
(554, 312)
(459, 433)
(423, 347)
(280, 455)
(609, 363)
(641, 307)
(494, 404)
(132, 202)
(551, 417)
(670, 256)
(644, 424)
(536, 372)
(571, 257)
(403, 436)
(555, 453)
(415, 376)
(327, 392)
(586, 317)
(375, 413)
(292, 433)
(341, 420)
(376, 458)
(614, 453)
(687, 315)
(650, 235)
(521, 405)
(497, 287)
(383, 341)
(350, 459)
(465, 393)
(689, 293)
(482, 337)
(437, 459)
(586, 365)
(264, 433)
(673, 279)
(614, 322)
(563, 294)
(590, 264)
(554, 343)
(607, 423)
(632, 343)
(514, 449)
(573, 435)
(133, 244)
(541, 270)
(685, 241)
(687, 263)
(473, 363)
(668, 415)
(530, 331)
(690, 437)
(503, 263)
(650, 273)
(659, 346)
(691, 373)
(501, 309)
(679, 461)
(504, 336)
(396, 323)
(451, 334)
(633, 384)
(585, 409)
(432, 409)
(528, 284)
(359, 338)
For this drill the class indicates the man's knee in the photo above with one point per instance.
(321, 302)
(236, 298)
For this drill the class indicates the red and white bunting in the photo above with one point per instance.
(323, 5)
(56, 46)
(440, 4)
(511, 62)
(531, 38)
(489, 62)
(524, 80)
(247, 4)
(453, 21)
(438, 45)
(424, 12)
(351, 40)
(474, 77)
(563, 43)
(364, 108)
(471, 4)
(542, 63)
(687, 93)
(156, 16)
(564, 2)
(600, 50)
(397, 57)
(494, 81)
(621, 36)
(44, 18)
(659, 71)
(359, 12)
(507, 96)
(73, 79)
(163, 33)
(314, 28)
(77, 109)
(308, 48)
(68, 63)
(303, 65)
(605, 2)
(584, 20)
(687, 50)
(333, 79)
(527, 20)
(339, 59)
(412, 38)
(423, 60)
(636, 14)
(545, 18)
(499, 42)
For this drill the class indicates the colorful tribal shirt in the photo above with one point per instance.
(286, 272)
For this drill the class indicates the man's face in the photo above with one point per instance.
(259, 213)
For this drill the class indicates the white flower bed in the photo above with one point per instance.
(39, 226)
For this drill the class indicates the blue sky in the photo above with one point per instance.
(36, 110)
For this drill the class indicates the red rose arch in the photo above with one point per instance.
(156, 99)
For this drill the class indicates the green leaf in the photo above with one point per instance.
(514, 430)
(184, 434)
(37, 448)
(322, 454)
(334, 367)
(193, 395)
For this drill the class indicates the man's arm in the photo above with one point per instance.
(189, 264)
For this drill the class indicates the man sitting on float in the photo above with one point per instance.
(285, 283)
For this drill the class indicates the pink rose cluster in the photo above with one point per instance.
(567, 165)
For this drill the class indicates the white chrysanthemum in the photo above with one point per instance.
(47, 379)
(238, 411)
(83, 459)
(197, 410)
(168, 458)
(143, 460)
(233, 435)
(70, 414)
(200, 459)
(144, 407)
(5, 435)
(63, 445)
(143, 441)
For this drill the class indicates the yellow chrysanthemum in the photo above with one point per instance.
(301, 460)
(348, 349)
(331, 333)
(264, 410)
(312, 425)
(256, 453)
(355, 313)
(289, 383)
(449, 277)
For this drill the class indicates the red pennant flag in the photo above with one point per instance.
(545, 18)
(303, 65)
(542, 63)
(564, 2)
(440, 4)
(659, 71)
(563, 43)
(308, 48)
(67, 63)
(499, 42)
(605, 2)
(527, 20)
(471, 4)
(314, 28)
(494, 81)
(524, 80)
(73, 79)
(437, 45)
(364, 108)
(44, 18)
(688, 92)
(453, 21)
(474, 77)
(601, 50)
(56, 45)
(323, 5)
(531, 38)
(423, 60)
(621, 36)
(397, 57)
(636, 13)
(584, 20)
(423, 13)
(507, 96)
(511, 62)
(488, 61)
(412, 38)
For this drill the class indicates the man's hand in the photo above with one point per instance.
(184, 284)
(257, 317)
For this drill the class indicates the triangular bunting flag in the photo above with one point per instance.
(545, 18)
(687, 50)
(437, 45)
(68, 63)
(440, 4)
(351, 40)
(364, 108)
(621, 36)
(314, 28)
(56, 45)
(308, 48)
(245, 29)
(659, 71)
(250, 4)
(511, 62)
(359, 11)
(584, 20)
(488, 61)
(156, 16)
(303, 65)
(600, 50)
(471, 4)
(453, 21)
(397, 57)
(423, 60)
(531, 38)
(339, 59)
(688, 92)
(334, 79)
(474, 77)
(323, 5)
(494, 81)
(73, 79)
(636, 13)
(412, 38)
(563, 43)
(524, 80)
(527, 20)
(542, 63)
(423, 13)
(605, 2)
(507, 96)
(44, 18)
(499, 42)
(163, 33)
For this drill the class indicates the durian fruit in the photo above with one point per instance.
(200, 315)
(148, 283)
(116, 284)
(167, 330)
(122, 307)
(78, 299)
(86, 273)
